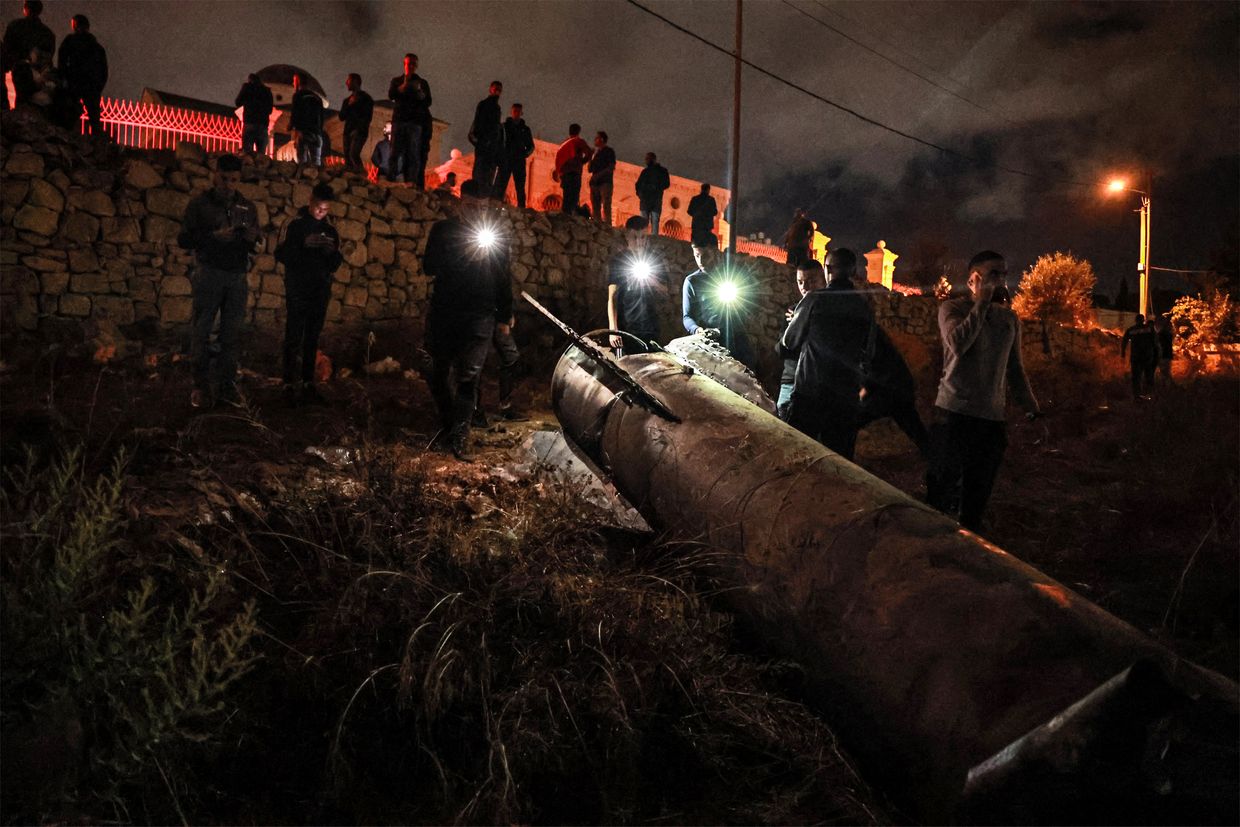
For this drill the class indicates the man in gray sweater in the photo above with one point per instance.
(981, 359)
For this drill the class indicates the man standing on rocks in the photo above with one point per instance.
(306, 124)
(357, 111)
(602, 172)
(981, 360)
(21, 36)
(570, 159)
(702, 211)
(310, 253)
(84, 69)
(256, 104)
(467, 256)
(486, 133)
(411, 118)
(651, 185)
(220, 226)
(518, 146)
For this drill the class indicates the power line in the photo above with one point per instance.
(895, 63)
(842, 107)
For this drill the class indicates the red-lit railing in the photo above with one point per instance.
(152, 126)
(757, 248)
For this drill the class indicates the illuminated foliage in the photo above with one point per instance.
(1057, 288)
(1204, 322)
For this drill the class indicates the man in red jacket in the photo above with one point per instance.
(570, 159)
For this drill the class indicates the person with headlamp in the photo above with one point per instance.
(632, 275)
(468, 259)
(713, 304)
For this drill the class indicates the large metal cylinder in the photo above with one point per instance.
(929, 648)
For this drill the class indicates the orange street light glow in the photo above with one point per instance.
(1117, 185)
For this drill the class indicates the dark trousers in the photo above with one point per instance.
(254, 138)
(424, 152)
(222, 292)
(903, 412)
(830, 418)
(965, 454)
(509, 357)
(1141, 372)
(514, 168)
(406, 150)
(305, 300)
(486, 166)
(89, 99)
(570, 183)
(458, 350)
(353, 143)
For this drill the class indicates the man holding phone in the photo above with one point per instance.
(220, 226)
(981, 359)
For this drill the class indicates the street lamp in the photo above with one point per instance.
(1118, 185)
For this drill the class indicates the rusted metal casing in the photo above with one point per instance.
(930, 649)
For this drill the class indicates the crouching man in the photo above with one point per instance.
(310, 253)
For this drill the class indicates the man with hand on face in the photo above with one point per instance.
(518, 146)
(220, 226)
(810, 277)
(411, 119)
(471, 302)
(713, 303)
(981, 359)
(631, 278)
(310, 253)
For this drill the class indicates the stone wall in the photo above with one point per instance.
(88, 242)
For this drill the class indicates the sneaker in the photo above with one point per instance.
(198, 398)
(512, 413)
(311, 396)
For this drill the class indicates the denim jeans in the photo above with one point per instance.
(254, 138)
(310, 148)
(600, 201)
(653, 219)
(222, 292)
(458, 354)
(406, 150)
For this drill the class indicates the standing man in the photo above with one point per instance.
(602, 169)
(357, 111)
(981, 360)
(310, 253)
(810, 277)
(1143, 357)
(411, 110)
(23, 34)
(256, 104)
(306, 124)
(84, 70)
(487, 135)
(570, 160)
(799, 239)
(471, 302)
(220, 226)
(712, 303)
(518, 146)
(382, 156)
(631, 278)
(1166, 347)
(651, 185)
(702, 211)
(830, 330)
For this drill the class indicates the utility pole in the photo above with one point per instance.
(736, 136)
(1144, 293)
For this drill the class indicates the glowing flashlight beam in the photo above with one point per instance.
(487, 238)
(729, 292)
(641, 269)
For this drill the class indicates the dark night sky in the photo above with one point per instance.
(1070, 91)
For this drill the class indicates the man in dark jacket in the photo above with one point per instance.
(310, 253)
(471, 301)
(382, 156)
(1143, 358)
(829, 329)
(602, 177)
(651, 185)
(633, 275)
(888, 389)
(518, 146)
(411, 123)
(220, 226)
(84, 69)
(810, 277)
(702, 211)
(256, 104)
(357, 111)
(713, 303)
(306, 124)
(486, 133)
(23, 34)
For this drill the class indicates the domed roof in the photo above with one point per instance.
(283, 73)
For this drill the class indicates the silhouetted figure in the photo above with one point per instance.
(799, 238)
(981, 362)
(411, 123)
(518, 146)
(830, 331)
(602, 168)
(651, 185)
(702, 211)
(448, 184)
(810, 277)
(888, 389)
(486, 133)
(383, 157)
(570, 160)
(306, 124)
(36, 83)
(714, 303)
(256, 104)
(20, 36)
(356, 111)
(1143, 358)
(310, 253)
(633, 276)
(1166, 347)
(84, 70)
(220, 226)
